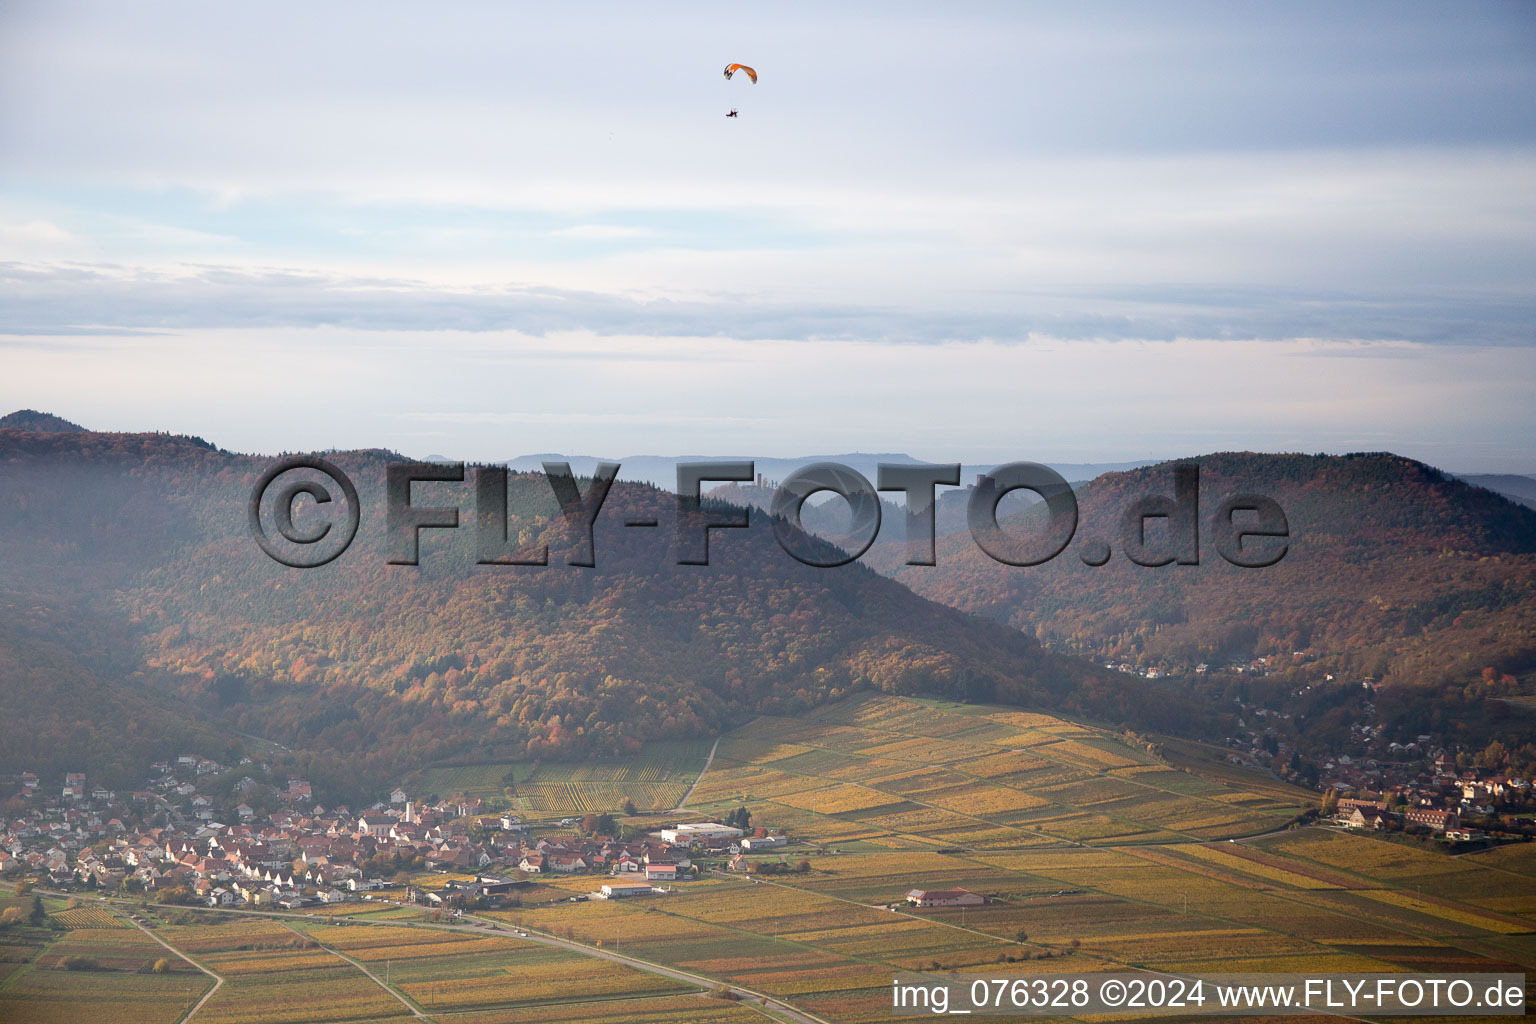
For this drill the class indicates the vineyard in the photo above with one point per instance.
(657, 778)
(1094, 853)
(89, 917)
(942, 774)
(100, 974)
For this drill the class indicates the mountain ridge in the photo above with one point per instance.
(1397, 575)
(368, 669)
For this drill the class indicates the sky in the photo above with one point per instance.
(969, 232)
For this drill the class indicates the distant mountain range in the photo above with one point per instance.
(1519, 489)
(661, 471)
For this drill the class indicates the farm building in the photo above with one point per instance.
(945, 898)
(618, 890)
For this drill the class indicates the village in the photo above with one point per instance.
(168, 842)
(174, 843)
(464, 886)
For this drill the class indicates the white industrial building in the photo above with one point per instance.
(699, 830)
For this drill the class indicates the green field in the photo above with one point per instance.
(656, 778)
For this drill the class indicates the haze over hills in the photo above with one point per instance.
(137, 609)
(366, 669)
(661, 471)
(1396, 573)
(1517, 488)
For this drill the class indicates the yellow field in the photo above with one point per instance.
(1234, 863)
(1458, 915)
(538, 982)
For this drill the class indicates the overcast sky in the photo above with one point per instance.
(1058, 232)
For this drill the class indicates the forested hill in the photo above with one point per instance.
(31, 419)
(139, 544)
(1395, 573)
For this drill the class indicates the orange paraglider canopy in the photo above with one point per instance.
(731, 69)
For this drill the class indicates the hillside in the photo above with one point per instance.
(369, 669)
(1396, 574)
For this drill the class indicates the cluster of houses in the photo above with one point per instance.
(1253, 667)
(1437, 797)
(305, 853)
(290, 858)
(1422, 773)
(1438, 802)
(1373, 814)
(651, 858)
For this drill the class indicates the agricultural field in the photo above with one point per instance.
(895, 793)
(68, 997)
(1093, 848)
(302, 970)
(790, 943)
(89, 917)
(935, 774)
(1094, 855)
(74, 971)
(690, 1009)
(657, 778)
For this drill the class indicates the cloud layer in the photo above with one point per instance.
(513, 177)
(63, 300)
